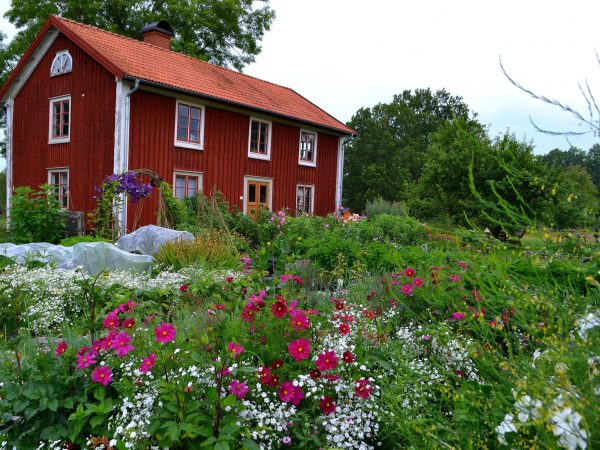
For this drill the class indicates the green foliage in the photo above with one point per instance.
(576, 202)
(71, 241)
(380, 206)
(36, 216)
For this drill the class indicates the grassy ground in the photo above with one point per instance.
(4, 235)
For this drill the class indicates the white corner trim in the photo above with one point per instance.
(33, 62)
(184, 144)
(10, 106)
(314, 161)
(261, 180)
(59, 140)
(121, 147)
(253, 155)
(339, 176)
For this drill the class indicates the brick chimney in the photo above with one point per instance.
(158, 33)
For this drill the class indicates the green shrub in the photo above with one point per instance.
(71, 241)
(381, 206)
(36, 216)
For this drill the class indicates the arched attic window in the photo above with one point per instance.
(62, 63)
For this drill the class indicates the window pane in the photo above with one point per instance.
(65, 106)
(195, 113)
(56, 131)
(56, 108)
(182, 134)
(307, 200)
(192, 185)
(254, 131)
(252, 193)
(65, 130)
(194, 125)
(194, 137)
(263, 193)
(183, 111)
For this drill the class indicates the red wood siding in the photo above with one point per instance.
(89, 154)
(224, 161)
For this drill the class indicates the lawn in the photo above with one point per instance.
(379, 333)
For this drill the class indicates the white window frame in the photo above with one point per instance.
(59, 54)
(260, 180)
(61, 169)
(314, 161)
(183, 173)
(185, 144)
(60, 140)
(312, 198)
(257, 155)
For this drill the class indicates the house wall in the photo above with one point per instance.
(89, 154)
(224, 161)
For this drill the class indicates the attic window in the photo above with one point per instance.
(62, 63)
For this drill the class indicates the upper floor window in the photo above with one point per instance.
(308, 148)
(60, 120)
(189, 130)
(304, 199)
(186, 184)
(260, 139)
(62, 63)
(59, 180)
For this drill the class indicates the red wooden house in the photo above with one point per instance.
(84, 103)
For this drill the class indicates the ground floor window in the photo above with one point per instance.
(305, 199)
(186, 184)
(59, 180)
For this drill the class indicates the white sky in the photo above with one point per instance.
(345, 54)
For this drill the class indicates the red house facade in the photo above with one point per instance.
(84, 103)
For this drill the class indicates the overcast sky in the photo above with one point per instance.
(346, 54)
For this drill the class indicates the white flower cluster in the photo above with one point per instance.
(51, 445)
(558, 416)
(6, 446)
(591, 320)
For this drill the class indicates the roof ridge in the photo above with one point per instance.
(174, 52)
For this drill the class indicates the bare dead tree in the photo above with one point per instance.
(592, 119)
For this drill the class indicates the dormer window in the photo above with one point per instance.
(62, 63)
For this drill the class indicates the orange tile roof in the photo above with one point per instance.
(133, 58)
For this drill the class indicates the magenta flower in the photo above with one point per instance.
(279, 308)
(229, 279)
(299, 320)
(111, 320)
(234, 349)
(409, 272)
(362, 388)
(165, 333)
(290, 393)
(417, 282)
(407, 289)
(327, 360)
(458, 315)
(326, 404)
(102, 375)
(344, 329)
(240, 390)
(148, 363)
(249, 312)
(299, 349)
(455, 278)
(121, 344)
(84, 361)
(60, 348)
(128, 323)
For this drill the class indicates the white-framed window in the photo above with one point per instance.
(305, 199)
(186, 184)
(307, 155)
(59, 129)
(259, 139)
(59, 179)
(189, 125)
(61, 64)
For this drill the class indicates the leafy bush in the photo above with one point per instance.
(212, 248)
(381, 206)
(71, 241)
(36, 216)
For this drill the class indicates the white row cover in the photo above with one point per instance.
(149, 239)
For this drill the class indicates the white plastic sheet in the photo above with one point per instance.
(149, 239)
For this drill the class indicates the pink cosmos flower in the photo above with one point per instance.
(297, 279)
(327, 360)
(165, 333)
(277, 364)
(362, 388)
(234, 349)
(279, 308)
(148, 363)
(229, 279)
(417, 282)
(184, 288)
(299, 349)
(290, 393)
(264, 375)
(84, 361)
(458, 316)
(326, 404)
(111, 320)
(299, 320)
(129, 323)
(102, 375)
(409, 272)
(106, 343)
(285, 278)
(315, 374)
(455, 278)
(126, 307)
(407, 289)
(60, 348)
(240, 390)
(344, 328)
(121, 344)
(249, 312)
